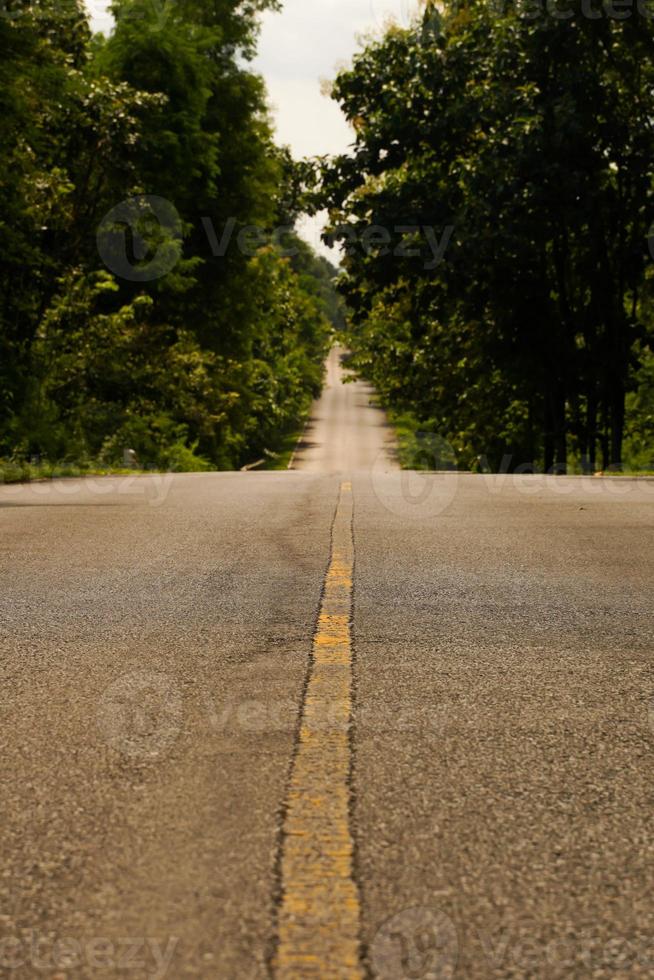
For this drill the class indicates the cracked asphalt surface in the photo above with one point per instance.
(155, 636)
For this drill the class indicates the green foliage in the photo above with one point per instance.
(206, 365)
(640, 416)
(531, 137)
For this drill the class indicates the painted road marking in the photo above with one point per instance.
(319, 914)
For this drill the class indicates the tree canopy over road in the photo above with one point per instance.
(496, 211)
(207, 364)
(521, 136)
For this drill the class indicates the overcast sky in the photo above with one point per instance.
(298, 49)
(304, 44)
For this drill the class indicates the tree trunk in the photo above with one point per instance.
(592, 433)
(604, 438)
(548, 434)
(617, 424)
(560, 433)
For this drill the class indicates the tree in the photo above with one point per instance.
(529, 136)
(129, 143)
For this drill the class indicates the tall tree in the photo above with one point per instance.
(529, 135)
(120, 323)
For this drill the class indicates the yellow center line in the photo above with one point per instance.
(319, 915)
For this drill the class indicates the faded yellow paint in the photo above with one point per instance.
(319, 916)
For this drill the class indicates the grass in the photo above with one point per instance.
(281, 459)
(406, 429)
(20, 471)
(417, 448)
(13, 471)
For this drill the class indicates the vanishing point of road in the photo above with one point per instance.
(335, 722)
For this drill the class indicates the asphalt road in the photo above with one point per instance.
(156, 680)
(346, 431)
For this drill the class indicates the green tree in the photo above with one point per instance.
(529, 136)
(141, 142)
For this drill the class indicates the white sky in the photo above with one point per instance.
(300, 47)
